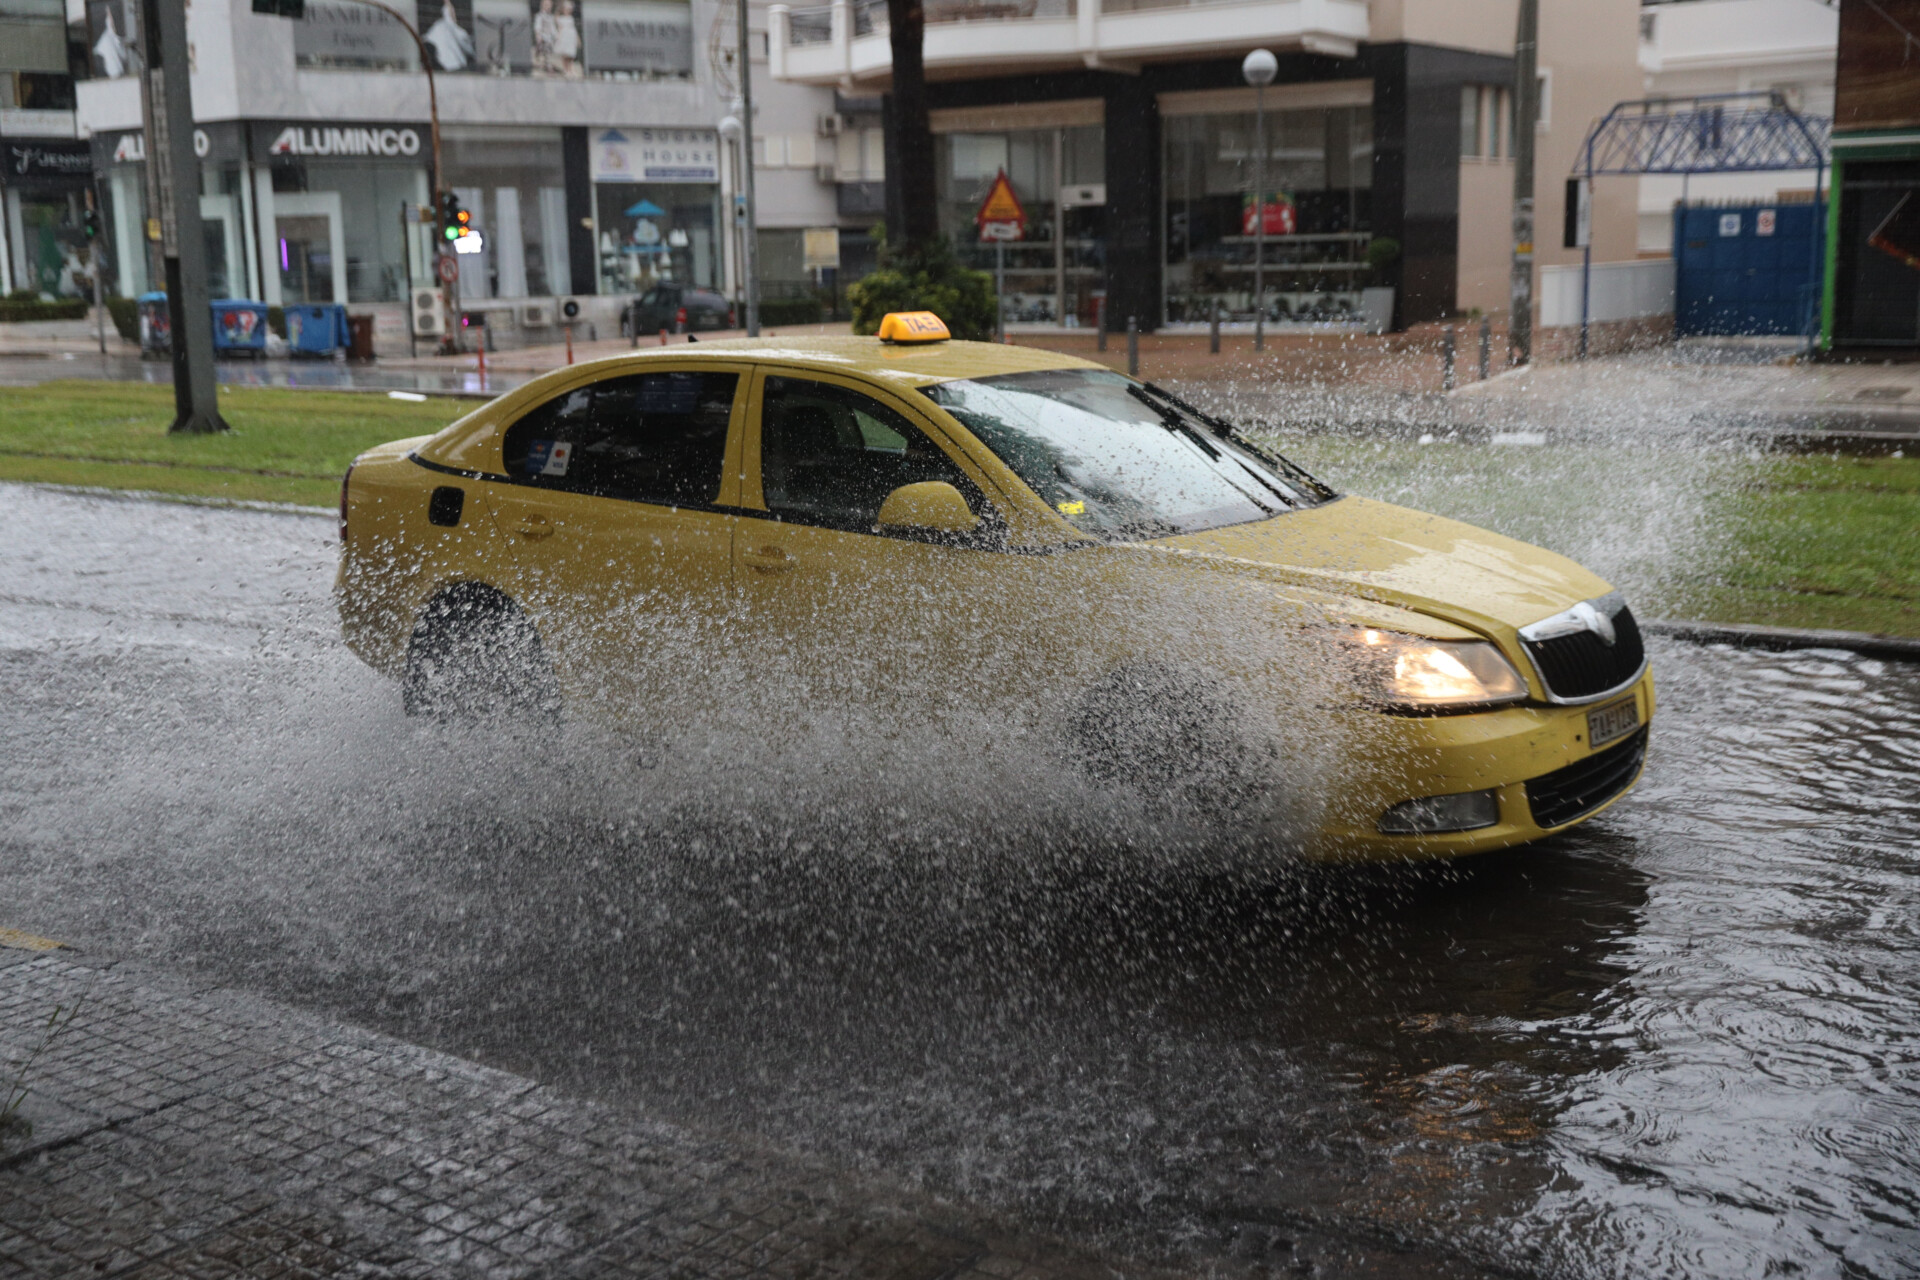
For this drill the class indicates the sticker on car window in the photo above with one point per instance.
(670, 393)
(548, 457)
(1071, 508)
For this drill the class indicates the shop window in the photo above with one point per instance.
(657, 233)
(1316, 212)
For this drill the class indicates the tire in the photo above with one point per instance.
(473, 656)
(1168, 735)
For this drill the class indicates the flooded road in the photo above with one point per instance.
(1683, 1040)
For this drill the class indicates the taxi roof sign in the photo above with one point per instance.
(913, 326)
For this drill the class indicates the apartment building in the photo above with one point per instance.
(1734, 46)
(1128, 133)
(581, 134)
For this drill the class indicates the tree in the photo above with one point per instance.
(917, 225)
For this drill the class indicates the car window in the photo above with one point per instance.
(830, 455)
(651, 437)
(1119, 460)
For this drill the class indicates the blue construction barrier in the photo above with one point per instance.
(1746, 268)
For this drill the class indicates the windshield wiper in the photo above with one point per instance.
(1227, 431)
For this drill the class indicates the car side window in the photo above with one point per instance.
(830, 456)
(650, 437)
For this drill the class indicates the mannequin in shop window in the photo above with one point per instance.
(566, 45)
(452, 46)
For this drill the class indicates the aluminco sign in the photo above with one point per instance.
(300, 140)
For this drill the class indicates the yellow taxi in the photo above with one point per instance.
(935, 528)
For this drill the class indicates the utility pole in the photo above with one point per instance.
(750, 255)
(175, 177)
(1526, 110)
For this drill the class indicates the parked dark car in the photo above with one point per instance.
(676, 308)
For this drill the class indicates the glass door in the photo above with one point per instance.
(305, 245)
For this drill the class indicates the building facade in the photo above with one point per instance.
(1734, 46)
(45, 170)
(583, 136)
(1129, 135)
(1871, 297)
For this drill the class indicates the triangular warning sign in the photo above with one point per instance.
(1001, 205)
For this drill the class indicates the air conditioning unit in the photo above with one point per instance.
(536, 315)
(1084, 196)
(833, 126)
(827, 172)
(428, 319)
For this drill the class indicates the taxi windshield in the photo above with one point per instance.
(1122, 460)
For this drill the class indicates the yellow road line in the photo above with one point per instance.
(27, 942)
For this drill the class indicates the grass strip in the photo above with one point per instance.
(1822, 541)
(285, 446)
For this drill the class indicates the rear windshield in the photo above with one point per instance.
(1121, 460)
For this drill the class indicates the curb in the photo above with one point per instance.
(1780, 639)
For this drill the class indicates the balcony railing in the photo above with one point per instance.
(843, 43)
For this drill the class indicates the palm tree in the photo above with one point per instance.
(913, 135)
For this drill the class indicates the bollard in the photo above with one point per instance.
(569, 344)
(1213, 329)
(1133, 346)
(663, 335)
(1446, 360)
(1486, 347)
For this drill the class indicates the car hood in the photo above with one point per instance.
(1356, 547)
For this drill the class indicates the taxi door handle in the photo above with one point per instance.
(767, 559)
(534, 528)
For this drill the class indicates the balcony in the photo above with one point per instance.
(844, 44)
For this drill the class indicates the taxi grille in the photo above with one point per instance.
(1582, 664)
(1565, 794)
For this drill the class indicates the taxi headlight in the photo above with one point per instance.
(1415, 673)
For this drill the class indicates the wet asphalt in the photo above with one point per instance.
(1684, 1040)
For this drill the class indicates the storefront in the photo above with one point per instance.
(337, 204)
(1055, 157)
(44, 191)
(656, 208)
(226, 210)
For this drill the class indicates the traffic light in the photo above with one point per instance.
(453, 219)
(90, 223)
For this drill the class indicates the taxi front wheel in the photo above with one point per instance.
(473, 654)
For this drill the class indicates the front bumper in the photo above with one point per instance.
(1405, 757)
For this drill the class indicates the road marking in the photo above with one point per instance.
(27, 942)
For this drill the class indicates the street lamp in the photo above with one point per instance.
(737, 133)
(1259, 68)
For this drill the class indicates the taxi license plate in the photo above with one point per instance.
(1605, 724)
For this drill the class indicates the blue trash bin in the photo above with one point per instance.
(317, 329)
(239, 326)
(156, 324)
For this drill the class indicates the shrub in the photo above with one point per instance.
(930, 279)
(1382, 252)
(791, 311)
(16, 309)
(125, 314)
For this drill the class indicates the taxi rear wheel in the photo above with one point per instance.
(1168, 734)
(473, 654)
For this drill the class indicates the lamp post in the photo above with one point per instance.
(1259, 68)
(734, 131)
(744, 111)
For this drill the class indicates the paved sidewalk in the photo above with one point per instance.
(186, 1134)
(183, 1133)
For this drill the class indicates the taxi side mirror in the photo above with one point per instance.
(929, 507)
